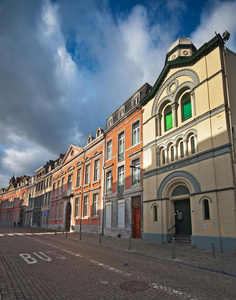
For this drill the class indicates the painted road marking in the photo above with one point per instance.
(10, 234)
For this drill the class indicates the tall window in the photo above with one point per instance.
(136, 178)
(181, 149)
(58, 187)
(168, 118)
(85, 207)
(54, 189)
(109, 181)
(136, 133)
(63, 184)
(154, 213)
(95, 205)
(52, 211)
(109, 149)
(60, 210)
(121, 182)
(69, 182)
(192, 145)
(56, 211)
(186, 107)
(121, 141)
(78, 178)
(76, 207)
(206, 209)
(171, 153)
(96, 175)
(87, 174)
(163, 156)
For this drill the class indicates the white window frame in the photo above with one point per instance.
(87, 174)
(77, 208)
(96, 174)
(109, 149)
(95, 206)
(109, 181)
(86, 205)
(136, 133)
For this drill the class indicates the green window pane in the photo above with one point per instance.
(186, 107)
(168, 118)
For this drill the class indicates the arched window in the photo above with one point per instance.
(181, 149)
(168, 118)
(171, 153)
(154, 209)
(192, 145)
(186, 107)
(206, 209)
(162, 156)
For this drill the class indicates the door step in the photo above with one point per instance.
(183, 239)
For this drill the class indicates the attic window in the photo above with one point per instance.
(135, 101)
(122, 112)
(109, 123)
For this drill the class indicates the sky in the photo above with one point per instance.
(66, 65)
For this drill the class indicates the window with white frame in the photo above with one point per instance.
(96, 175)
(58, 186)
(108, 181)
(78, 178)
(95, 205)
(77, 202)
(121, 213)
(121, 179)
(136, 172)
(86, 206)
(108, 215)
(69, 182)
(121, 145)
(60, 210)
(136, 133)
(52, 211)
(56, 211)
(63, 184)
(87, 174)
(109, 149)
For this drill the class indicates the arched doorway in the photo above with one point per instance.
(181, 198)
(68, 216)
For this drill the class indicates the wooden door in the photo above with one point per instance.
(136, 222)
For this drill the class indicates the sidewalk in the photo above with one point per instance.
(223, 262)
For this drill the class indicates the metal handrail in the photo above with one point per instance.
(171, 228)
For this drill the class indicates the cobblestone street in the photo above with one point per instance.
(45, 265)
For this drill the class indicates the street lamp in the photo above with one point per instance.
(134, 167)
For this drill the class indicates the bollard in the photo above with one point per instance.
(100, 238)
(213, 250)
(130, 243)
(173, 248)
(55, 231)
(66, 233)
(80, 233)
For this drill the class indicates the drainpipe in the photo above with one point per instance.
(103, 186)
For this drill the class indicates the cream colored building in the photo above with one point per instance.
(189, 119)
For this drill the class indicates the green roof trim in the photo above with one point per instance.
(183, 62)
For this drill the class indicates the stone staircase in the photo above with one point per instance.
(183, 239)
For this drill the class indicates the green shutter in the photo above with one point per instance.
(168, 118)
(186, 107)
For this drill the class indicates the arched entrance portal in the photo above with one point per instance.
(180, 196)
(68, 216)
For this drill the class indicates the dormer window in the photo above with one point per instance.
(135, 101)
(122, 112)
(110, 122)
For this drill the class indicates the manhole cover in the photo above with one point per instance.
(134, 286)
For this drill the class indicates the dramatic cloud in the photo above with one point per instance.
(65, 66)
(216, 17)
